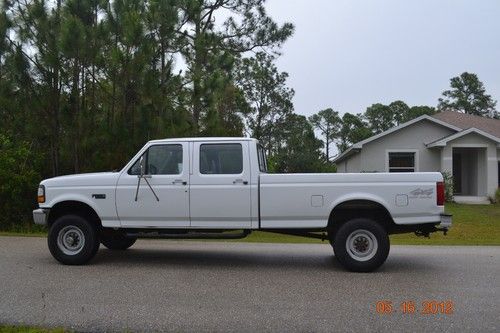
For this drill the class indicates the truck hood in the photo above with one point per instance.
(83, 179)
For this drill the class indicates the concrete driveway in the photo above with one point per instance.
(243, 287)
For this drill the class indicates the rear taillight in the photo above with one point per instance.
(440, 193)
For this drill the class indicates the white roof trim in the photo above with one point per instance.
(442, 142)
(360, 144)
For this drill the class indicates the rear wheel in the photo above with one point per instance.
(116, 240)
(73, 240)
(361, 245)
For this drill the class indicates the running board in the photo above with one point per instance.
(190, 235)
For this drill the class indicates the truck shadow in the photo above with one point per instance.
(246, 258)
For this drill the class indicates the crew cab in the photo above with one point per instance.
(199, 188)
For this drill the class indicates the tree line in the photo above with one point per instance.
(85, 83)
(467, 94)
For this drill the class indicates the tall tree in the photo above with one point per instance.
(328, 122)
(38, 32)
(399, 110)
(296, 149)
(246, 28)
(354, 129)
(467, 95)
(269, 98)
(380, 117)
(417, 111)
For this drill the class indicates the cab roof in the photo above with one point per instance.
(204, 139)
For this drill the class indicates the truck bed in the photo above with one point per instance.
(306, 200)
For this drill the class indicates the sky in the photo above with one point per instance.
(349, 54)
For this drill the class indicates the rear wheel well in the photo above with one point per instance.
(75, 208)
(351, 209)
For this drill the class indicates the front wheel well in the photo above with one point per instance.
(351, 209)
(73, 207)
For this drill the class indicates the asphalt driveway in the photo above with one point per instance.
(213, 286)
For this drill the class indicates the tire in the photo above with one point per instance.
(361, 245)
(116, 240)
(73, 240)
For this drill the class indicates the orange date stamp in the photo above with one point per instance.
(427, 307)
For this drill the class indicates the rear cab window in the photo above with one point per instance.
(261, 156)
(221, 159)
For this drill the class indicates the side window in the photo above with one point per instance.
(401, 162)
(262, 159)
(225, 158)
(160, 160)
(164, 160)
(135, 169)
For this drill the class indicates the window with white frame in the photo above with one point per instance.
(402, 162)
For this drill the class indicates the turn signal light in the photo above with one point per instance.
(41, 194)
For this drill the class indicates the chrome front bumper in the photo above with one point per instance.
(40, 216)
(445, 221)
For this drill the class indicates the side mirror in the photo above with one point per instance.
(142, 166)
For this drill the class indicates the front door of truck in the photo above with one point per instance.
(165, 201)
(220, 185)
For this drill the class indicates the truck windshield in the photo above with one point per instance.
(262, 158)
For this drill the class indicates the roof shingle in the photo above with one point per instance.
(464, 121)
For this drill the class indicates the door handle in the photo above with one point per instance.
(240, 181)
(179, 181)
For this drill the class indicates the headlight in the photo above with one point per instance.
(41, 194)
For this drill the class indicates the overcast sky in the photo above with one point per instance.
(350, 54)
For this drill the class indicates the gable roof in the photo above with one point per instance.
(443, 141)
(357, 146)
(464, 121)
(456, 121)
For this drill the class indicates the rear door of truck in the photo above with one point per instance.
(220, 185)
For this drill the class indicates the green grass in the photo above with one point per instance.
(26, 329)
(472, 225)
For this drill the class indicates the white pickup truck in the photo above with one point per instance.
(220, 188)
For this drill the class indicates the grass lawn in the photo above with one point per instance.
(25, 329)
(472, 225)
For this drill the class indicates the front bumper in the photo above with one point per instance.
(40, 216)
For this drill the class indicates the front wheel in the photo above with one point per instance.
(73, 240)
(361, 245)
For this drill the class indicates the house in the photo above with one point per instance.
(465, 146)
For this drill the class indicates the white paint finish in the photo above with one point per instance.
(317, 201)
(401, 200)
(285, 197)
(215, 201)
(80, 188)
(172, 209)
(221, 200)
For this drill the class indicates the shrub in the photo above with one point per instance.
(448, 185)
(18, 182)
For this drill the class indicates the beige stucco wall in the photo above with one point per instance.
(351, 164)
(374, 154)
(486, 159)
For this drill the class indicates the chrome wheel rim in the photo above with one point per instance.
(361, 245)
(70, 240)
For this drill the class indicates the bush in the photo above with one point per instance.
(497, 195)
(18, 183)
(448, 185)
